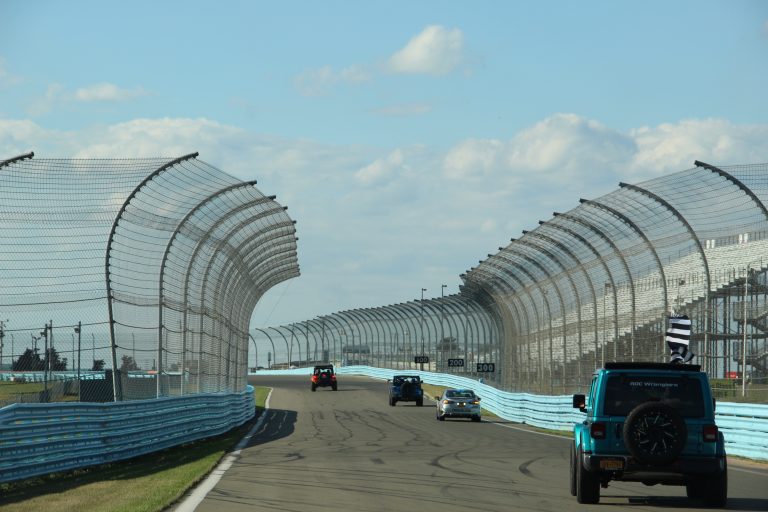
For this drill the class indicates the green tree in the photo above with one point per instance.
(128, 364)
(29, 361)
(57, 364)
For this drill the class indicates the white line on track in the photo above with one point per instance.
(531, 431)
(202, 490)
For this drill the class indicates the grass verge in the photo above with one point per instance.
(149, 483)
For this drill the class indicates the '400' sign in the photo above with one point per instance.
(486, 367)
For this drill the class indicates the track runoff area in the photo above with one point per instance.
(349, 450)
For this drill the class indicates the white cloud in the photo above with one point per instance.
(382, 168)
(435, 51)
(319, 82)
(6, 78)
(565, 145)
(375, 225)
(41, 106)
(674, 146)
(473, 158)
(553, 152)
(57, 94)
(19, 136)
(107, 92)
(488, 225)
(568, 152)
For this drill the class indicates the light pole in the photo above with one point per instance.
(2, 336)
(466, 329)
(322, 342)
(421, 367)
(46, 363)
(744, 329)
(78, 330)
(407, 345)
(288, 348)
(605, 321)
(442, 322)
(744, 336)
(255, 352)
(342, 332)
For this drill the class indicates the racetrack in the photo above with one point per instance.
(350, 451)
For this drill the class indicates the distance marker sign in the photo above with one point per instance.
(486, 367)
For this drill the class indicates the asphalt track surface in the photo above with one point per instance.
(350, 451)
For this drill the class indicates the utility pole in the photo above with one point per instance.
(2, 335)
(46, 362)
(78, 330)
(442, 328)
(421, 365)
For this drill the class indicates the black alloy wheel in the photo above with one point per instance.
(654, 433)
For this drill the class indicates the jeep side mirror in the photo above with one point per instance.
(580, 402)
(478, 398)
(437, 398)
(389, 380)
(713, 404)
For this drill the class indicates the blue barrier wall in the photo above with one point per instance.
(745, 426)
(37, 439)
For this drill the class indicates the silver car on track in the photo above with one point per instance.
(458, 403)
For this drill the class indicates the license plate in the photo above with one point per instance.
(612, 464)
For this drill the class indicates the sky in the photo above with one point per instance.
(409, 140)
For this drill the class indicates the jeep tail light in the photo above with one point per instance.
(709, 433)
(597, 430)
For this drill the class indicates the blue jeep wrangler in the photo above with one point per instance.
(406, 388)
(652, 423)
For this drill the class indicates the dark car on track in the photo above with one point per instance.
(324, 376)
(406, 388)
(652, 423)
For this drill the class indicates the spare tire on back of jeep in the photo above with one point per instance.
(654, 433)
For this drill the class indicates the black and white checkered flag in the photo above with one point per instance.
(678, 338)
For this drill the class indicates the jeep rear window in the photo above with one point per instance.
(625, 392)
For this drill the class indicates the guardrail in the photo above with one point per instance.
(745, 426)
(37, 439)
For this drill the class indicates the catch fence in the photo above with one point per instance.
(593, 284)
(143, 271)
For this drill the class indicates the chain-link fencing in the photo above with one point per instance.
(131, 278)
(595, 284)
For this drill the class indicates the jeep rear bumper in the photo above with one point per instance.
(631, 470)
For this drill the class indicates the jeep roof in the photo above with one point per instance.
(617, 365)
